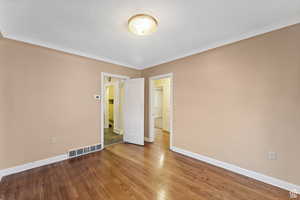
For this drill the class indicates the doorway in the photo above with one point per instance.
(122, 110)
(113, 109)
(161, 108)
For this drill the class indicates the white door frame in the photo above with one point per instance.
(104, 74)
(151, 121)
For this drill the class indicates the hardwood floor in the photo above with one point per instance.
(125, 171)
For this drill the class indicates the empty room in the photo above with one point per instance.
(149, 100)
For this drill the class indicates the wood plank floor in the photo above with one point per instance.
(125, 171)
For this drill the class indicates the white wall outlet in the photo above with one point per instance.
(97, 97)
(293, 194)
(272, 156)
(53, 140)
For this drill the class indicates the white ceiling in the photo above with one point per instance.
(98, 28)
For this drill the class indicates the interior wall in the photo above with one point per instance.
(238, 102)
(47, 105)
(234, 103)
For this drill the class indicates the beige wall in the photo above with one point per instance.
(242, 101)
(45, 94)
(238, 102)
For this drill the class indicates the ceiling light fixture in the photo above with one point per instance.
(142, 24)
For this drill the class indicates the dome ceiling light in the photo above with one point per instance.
(142, 24)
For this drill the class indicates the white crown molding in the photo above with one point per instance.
(66, 50)
(240, 37)
(252, 174)
(31, 165)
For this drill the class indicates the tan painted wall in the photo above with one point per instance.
(238, 102)
(45, 94)
(242, 100)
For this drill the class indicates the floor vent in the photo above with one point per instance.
(84, 150)
(293, 194)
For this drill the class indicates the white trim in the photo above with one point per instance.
(114, 75)
(234, 39)
(31, 165)
(151, 122)
(239, 37)
(161, 76)
(102, 92)
(148, 139)
(252, 174)
(118, 131)
(109, 84)
(67, 50)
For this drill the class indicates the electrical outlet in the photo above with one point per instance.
(293, 194)
(53, 140)
(272, 156)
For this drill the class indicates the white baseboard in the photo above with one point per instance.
(258, 176)
(31, 165)
(148, 139)
(118, 131)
